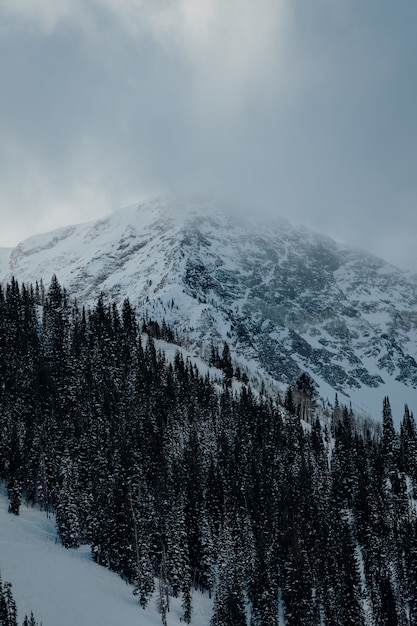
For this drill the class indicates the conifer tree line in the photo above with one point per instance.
(178, 483)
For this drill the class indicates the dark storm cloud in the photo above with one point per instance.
(304, 109)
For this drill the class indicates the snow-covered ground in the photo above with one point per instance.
(367, 402)
(66, 587)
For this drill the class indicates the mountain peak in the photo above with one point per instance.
(286, 299)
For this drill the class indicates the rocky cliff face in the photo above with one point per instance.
(285, 299)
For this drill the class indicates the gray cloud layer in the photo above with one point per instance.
(304, 109)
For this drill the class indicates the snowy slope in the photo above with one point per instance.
(66, 587)
(286, 300)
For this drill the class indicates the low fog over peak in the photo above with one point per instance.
(285, 108)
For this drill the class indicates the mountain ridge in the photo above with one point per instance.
(286, 299)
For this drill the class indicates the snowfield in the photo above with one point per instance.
(65, 587)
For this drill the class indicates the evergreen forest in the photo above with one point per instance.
(181, 482)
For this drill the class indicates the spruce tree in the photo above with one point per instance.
(14, 471)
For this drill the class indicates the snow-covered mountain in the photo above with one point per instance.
(285, 299)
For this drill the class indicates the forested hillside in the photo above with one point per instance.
(180, 480)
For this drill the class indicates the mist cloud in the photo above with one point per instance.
(225, 42)
(295, 108)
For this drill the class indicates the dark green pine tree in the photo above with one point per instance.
(13, 340)
(141, 518)
(178, 565)
(55, 331)
(67, 508)
(186, 604)
(4, 614)
(9, 609)
(229, 604)
(264, 590)
(297, 582)
(226, 364)
(348, 580)
(30, 621)
(289, 404)
(389, 448)
(344, 459)
(207, 557)
(408, 447)
(388, 615)
(306, 385)
(214, 360)
(410, 556)
(14, 471)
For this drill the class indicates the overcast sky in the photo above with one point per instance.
(299, 108)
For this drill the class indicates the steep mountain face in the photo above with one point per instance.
(285, 299)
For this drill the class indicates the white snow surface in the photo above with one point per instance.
(66, 587)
